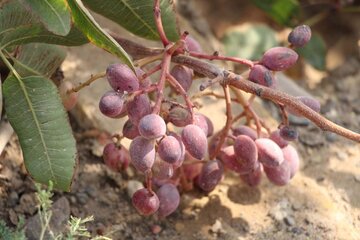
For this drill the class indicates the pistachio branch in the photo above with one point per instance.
(211, 71)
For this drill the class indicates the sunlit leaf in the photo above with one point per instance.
(84, 21)
(137, 16)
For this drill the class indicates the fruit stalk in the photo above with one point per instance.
(158, 22)
(180, 89)
(229, 119)
(165, 64)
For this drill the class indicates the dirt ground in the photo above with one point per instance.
(321, 202)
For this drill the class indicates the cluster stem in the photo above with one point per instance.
(165, 64)
(183, 93)
(229, 119)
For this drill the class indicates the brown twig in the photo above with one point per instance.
(210, 70)
(292, 102)
(284, 115)
(210, 82)
(92, 79)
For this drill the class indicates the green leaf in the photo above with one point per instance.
(19, 26)
(137, 16)
(38, 59)
(37, 115)
(53, 14)
(314, 52)
(250, 42)
(282, 11)
(84, 21)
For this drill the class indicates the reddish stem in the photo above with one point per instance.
(238, 117)
(165, 64)
(158, 22)
(177, 47)
(249, 111)
(222, 58)
(183, 93)
(227, 127)
(149, 89)
(150, 72)
(256, 119)
(244, 103)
